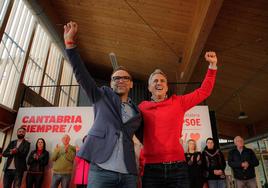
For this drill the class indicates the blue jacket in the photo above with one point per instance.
(107, 125)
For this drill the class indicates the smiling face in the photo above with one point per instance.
(121, 82)
(158, 87)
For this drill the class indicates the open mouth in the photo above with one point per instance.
(159, 88)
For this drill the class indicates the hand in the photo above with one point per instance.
(70, 31)
(211, 58)
(13, 151)
(35, 156)
(57, 148)
(192, 158)
(218, 172)
(77, 148)
(198, 157)
(245, 165)
(215, 172)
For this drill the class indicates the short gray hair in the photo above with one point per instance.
(156, 71)
(237, 137)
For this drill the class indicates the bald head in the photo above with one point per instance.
(66, 139)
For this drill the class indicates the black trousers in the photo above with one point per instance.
(173, 175)
(81, 186)
(34, 180)
(12, 176)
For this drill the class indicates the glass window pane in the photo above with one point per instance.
(51, 74)
(74, 92)
(13, 46)
(3, 8)
(65, 83)
(37, 59)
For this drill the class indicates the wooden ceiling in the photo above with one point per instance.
(173, 35)
(240, 38)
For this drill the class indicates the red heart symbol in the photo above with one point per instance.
(77, 128)
(195, 136)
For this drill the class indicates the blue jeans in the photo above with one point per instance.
(101, 178)
(173, 175)
(63, 179)
(217, 183)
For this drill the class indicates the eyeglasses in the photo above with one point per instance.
(123, 78)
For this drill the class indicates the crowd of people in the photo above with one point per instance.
(65, 163)
(204, 169)
(109, 144)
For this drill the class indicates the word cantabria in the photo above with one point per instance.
(52, 123)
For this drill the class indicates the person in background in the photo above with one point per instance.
(195, 166)
(63, 159)
(214, 165)
(165, 164)
(37, 161)
(16, 153)
(81, 171)
(243, 160)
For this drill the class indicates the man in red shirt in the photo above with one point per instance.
(163, 120)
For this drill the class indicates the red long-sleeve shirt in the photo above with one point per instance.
(163, 122)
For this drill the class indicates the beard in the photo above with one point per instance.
(20, 136)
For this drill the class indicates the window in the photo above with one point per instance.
(37, 59)
(66, 80)
(43, 65)
(3, 8)
(69, 90)
(74, 92)
(51, 74)
(13, 46)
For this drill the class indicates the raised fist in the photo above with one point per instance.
(70, 31)
(211, 58)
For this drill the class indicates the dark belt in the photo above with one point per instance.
(167, 163)
(172, 162)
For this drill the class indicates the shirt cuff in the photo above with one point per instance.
(212, 67)
(68, 48)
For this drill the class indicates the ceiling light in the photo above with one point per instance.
(242, 114)
(113, 60)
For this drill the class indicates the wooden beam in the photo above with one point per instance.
(204, 18)
(58, 87)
